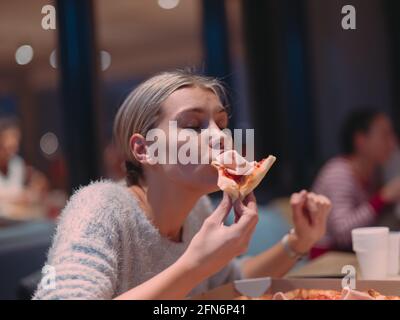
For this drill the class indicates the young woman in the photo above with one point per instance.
(158, 237)
(350, 180)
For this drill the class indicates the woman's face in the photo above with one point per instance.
(9, 144)
(380, 141)
(201, 111)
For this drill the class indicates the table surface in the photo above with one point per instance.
(329, 265)
(16, 212)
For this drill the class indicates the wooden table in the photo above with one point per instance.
(329, 265)
(13, 213)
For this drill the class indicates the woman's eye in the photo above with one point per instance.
(196, 128)
(192, 125)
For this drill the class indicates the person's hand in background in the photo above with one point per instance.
(390, 193)
(310, 213)
(37, 184)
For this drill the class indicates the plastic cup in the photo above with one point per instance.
(371, 248)
(394, 253)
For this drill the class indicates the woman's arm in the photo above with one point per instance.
(274, 262)
(309, 216)
(173, 283)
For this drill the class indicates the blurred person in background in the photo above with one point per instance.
(391, 170)
(353, 180)
(19, 183)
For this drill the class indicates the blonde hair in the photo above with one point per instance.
(141, 110)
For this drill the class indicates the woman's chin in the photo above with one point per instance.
(207, 187)
(213, 189)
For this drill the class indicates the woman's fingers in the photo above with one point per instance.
(313, 207)
(326, 207)
(319, 207)
(239, 207)
(223, 209)
(249, 232)
(248, 204)
(250, 201)
(247, 221)
(297, 202)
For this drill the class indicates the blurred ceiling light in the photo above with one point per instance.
(105, 59)
(168, 4)
(53, 59)
(24, 54)
(49, 143)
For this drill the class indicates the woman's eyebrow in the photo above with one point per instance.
(195, 110)
(219, 109)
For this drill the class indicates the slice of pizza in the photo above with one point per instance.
(237, 176)
(371, 294)
(308, 294)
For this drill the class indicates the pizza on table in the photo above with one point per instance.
(318, 294)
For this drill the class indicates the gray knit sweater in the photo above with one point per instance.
(105, 245)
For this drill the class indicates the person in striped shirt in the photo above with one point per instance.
(351, 180)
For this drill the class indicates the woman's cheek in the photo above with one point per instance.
(207, 175)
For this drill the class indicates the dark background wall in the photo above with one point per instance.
(349, 68)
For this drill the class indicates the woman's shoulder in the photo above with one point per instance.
(99, 200)
(336, 172)
(103, 187)
(337, 166)
(102, 192)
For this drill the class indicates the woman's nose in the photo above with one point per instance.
(219, 140)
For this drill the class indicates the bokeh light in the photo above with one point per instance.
(24, 54)
(49, 143)
(168, 4)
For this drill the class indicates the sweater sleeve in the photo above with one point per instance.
(348, 212)
(84, 256)
(230, 273)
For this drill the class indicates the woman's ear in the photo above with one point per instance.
(139, 148)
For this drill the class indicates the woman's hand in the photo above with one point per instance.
(310, 213)
(37, 184)
(208, 252)
(215, 245)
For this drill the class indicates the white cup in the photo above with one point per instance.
(394, 253)
(371, 248)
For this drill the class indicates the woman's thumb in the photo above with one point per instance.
(223, 209)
